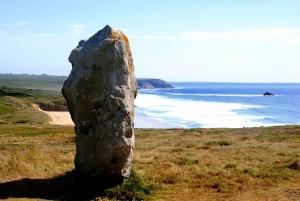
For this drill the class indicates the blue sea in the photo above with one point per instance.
(212, 105)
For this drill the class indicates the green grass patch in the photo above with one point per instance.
(16, 105)
(134, 188)
(5, 108)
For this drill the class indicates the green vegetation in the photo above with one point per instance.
(135, 188)
(16, 105)
(43, 82)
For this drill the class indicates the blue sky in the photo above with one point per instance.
(218, 40)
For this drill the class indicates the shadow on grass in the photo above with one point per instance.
(73, 186)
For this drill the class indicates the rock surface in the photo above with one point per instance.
(268, 94)
(100, 93)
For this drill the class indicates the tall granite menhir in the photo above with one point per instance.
(100, 93)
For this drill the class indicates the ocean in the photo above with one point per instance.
(213, 105)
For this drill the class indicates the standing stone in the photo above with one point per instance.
(100, 93)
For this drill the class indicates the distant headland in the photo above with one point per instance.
(146, 83)
(54, 83)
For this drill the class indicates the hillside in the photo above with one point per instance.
(44, 82)
(55, 83)
(16, 105)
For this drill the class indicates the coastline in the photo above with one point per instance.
(143, 121)
(62, 118)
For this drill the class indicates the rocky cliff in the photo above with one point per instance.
(152, 83)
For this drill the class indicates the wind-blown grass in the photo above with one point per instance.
(172, 164)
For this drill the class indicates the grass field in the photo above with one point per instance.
(247, 164)
(195, 164)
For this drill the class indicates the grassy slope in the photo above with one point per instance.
(16, 105)
(197, 164)
(43, 82)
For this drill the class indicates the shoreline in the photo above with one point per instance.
(63, 118)
(143, 121)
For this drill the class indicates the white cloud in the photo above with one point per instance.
(23, 23)
(279, 34)
(78, 28)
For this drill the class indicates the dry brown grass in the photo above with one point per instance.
(221, 164)
(35, 154)
(196, 164)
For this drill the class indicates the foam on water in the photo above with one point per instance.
(191, 113)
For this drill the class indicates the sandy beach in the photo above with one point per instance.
(140, 120)
(57, 117)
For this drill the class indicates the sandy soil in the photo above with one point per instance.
(57, 117)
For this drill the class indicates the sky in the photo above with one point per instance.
(175, 40)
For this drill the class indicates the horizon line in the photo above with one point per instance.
(177, 81)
